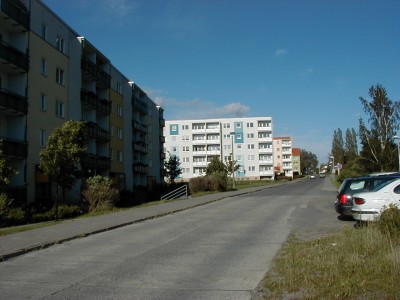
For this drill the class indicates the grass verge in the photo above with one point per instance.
(352, 264)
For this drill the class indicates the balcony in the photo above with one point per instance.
(92, 130)
(96, 162)
(13, 148)
(140, 147)
(16, 11)
(13, 103)
(94, 72)
(139, 126)
(17, 60)
(91, 100)
(140, 106)
(140, 168)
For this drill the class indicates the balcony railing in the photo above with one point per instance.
(17, 11)
(91, 99)
(102, 78)
(14, 56)
(139, 105)
(95, 162)
(139, 126)
(140, 147)
(92, 130)
(140, 168)
(14, 102)
(13, 148)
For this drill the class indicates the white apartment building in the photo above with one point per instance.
(196, 142)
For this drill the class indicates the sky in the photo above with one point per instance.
(305, 63)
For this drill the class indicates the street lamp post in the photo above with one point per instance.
(398, 148)
(233, 162)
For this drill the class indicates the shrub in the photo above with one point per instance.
(208, 183)
(64, 212)
(99, 193)
(389, 223)
(4, 205)
(15, 216)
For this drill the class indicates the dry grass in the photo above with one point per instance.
(353, 264)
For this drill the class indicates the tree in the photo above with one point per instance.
(338, 151)
(378, 151)
(351, 148)
(216, 166)
(172, 168)
(61, 156)
(308, 161)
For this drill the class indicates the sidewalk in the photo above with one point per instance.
(16, 244)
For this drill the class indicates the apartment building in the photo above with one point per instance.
(282, 149)
(197, 142)
(296, 165)
(65, 77)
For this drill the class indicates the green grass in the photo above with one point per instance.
(352, 264)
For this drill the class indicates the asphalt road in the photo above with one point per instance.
(217, 251)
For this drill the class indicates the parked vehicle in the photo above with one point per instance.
(369, 206)
(353, 185)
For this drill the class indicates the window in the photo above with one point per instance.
(250, 146)
(60, 44)
(43, 67)
(42, 102)
(119, 88)
(119, 156)
(60, 76)
(44, 31)
(238, 125)
(60, 109)
(250, 125)
(120, 133)
(119, 111)
(186, 149)
(250, 135)
(174, 128)
(42, 138)
(185, 127)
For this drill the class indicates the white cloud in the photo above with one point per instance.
(196, 108)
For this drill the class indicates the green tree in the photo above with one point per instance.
(308, 161)
(172, 168)
(61, 157)
(216, 166)
(338, 151)
(351, 147)
(378, 150)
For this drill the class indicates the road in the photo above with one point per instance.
(217, 251)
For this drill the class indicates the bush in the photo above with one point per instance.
(15, 216)
(64, 212)
(208, 184)
(99, 193)
(4, 205)
(389, 223)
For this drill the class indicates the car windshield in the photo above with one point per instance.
(382, 185)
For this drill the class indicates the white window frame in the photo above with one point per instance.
(60, 109)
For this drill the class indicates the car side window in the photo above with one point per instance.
(357, 185)
(396, 190)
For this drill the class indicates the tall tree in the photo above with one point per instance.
(172, 168)
(338, 151)
(216, 166)
(351, 148)
(384, 118)
(61, 156)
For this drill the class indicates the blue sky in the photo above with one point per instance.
(305, 63)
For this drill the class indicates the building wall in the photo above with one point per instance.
(197, 142)
(282, 147)
(89, 84)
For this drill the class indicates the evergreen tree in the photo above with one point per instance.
(351, 148)
(338, 151)
(172, 168)
(308, 162)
